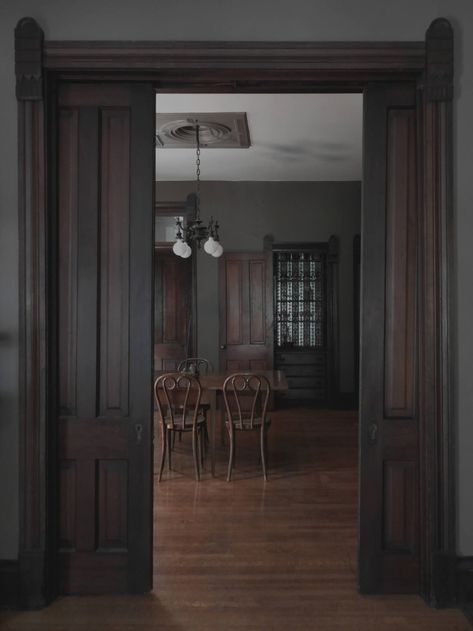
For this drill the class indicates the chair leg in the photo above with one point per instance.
(206, 434)
(263, 450)
(194, 450)
(201, 445)
(169, 443)
(223, 426)
(163, 451)
(174, 438)
(231, 433)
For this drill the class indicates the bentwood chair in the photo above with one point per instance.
(178, 398)
(246, 397)
(198, 366)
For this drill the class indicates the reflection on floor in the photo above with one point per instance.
(252, 556)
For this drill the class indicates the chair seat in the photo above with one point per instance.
(187, 426)
(246, 423)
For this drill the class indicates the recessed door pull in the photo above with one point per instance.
(373, 433)
(139, 433)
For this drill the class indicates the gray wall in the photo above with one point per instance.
(317, 20)
(290, 211)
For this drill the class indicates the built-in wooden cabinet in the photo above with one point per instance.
(305, 314)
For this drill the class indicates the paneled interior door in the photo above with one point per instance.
(105, 225)
(389, 499)
(173, 331)
(246, 311)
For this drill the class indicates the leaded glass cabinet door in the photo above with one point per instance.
(304, 288)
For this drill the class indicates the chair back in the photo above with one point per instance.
(246, 397)
(178, 398)
(195, 366)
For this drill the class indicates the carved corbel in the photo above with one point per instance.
(29, 60)
(438, 79)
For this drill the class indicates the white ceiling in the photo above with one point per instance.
(294, 137)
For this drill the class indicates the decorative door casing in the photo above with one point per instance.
(274, 67)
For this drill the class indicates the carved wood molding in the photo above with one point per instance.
(439, 61)
(32, 221)
(29, 60)
(437, 443)
(33, 347)
(330, 57)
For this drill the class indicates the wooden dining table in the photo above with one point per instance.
(212, 386)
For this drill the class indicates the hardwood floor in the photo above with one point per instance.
(252, 556)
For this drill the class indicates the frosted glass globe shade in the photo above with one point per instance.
(210, 245)
(179, 247)
(218, 251)
(187, 252)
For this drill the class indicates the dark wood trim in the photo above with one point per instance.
(464, 581)
(10, 585)
(268, 241)
(333, 360)
(333, 57)
(437, 445)
(356, 315)
(464, 586)
(301, 247)
(29, 40)
(226, 67)
(239, 66)
(186, 209)
(33, 301)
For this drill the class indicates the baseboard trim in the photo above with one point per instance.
(22, 582)
(32, 580)
(464, 580)
(9, 584)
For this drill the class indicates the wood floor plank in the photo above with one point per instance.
(251, 556)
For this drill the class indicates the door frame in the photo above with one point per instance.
(186, 209)
(235, 67)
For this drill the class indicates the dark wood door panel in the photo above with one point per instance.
(114, 276)
(246, 322)
(173, 332)
(401, 265)
(389, 461)
(105, 225)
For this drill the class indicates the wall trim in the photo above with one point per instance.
(9, 584)
(464, 580)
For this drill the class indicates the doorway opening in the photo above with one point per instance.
(289, 203)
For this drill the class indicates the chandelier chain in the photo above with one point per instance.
(198, 168)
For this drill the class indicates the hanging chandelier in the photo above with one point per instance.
(194, 231)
